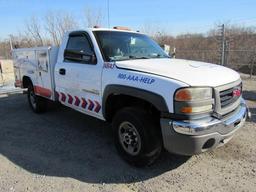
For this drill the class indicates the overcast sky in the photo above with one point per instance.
(174, 17)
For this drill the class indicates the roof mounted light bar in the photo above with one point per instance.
(122, 28)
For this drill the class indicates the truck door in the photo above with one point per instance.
(78, 84)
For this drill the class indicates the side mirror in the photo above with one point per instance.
(79, 56)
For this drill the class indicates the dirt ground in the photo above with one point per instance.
(63, 150)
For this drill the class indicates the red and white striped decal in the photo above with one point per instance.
(84, 103)
(63, 97)
(77, 102)
(87, 104)
(70, 99)
(98, 107)
(91, 105)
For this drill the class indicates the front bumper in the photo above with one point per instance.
(197, 136)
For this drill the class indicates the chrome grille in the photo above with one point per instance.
(227, 97)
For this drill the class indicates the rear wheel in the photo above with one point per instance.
(137, 136)
(37, 103)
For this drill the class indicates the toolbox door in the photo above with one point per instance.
(44, 86)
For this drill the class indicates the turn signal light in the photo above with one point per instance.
(186, 110)
(183, 95)
(194, 94)
(191, 109)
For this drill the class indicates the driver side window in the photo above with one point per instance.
(79, 50)
(79, 43)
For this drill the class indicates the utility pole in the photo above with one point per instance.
(252, 65)
(10, 42)
(222, 44)
(1, 74)
(226, 53)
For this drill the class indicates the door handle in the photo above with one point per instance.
(62, 71)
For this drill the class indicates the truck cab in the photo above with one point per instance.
(152, 100)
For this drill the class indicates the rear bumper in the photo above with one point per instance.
(197, 136)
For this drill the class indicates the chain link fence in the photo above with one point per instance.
(243, 61)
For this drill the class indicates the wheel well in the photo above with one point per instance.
(117, 102)
(26, 81)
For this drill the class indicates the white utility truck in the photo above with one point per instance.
(124, 77)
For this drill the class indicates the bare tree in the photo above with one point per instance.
(22, 40)
(202, 47)
(33, 29)
(51, 27)
(150, 29)
(65, 22)
(93, 18)
(57, 24)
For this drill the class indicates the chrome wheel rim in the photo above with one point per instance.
(129, 138)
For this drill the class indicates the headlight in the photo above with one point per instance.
(190, 101)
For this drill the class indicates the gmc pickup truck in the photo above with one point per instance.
(152, 100)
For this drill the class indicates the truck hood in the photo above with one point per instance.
(193, 73)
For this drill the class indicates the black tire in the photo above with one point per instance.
(143, 128)
(36, 103)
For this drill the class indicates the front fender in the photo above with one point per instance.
(153, 98)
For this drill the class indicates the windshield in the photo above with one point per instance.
(119, 46)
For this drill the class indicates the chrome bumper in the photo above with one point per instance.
(196, 136)
(212, 124)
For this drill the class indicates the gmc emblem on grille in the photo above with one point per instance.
(236, 93)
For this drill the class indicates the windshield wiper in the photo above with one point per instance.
(159, 56)
(134, 57)
(156, 55)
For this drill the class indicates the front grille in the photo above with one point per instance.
(227, 97)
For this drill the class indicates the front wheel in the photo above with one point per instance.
(37, 103)
(137, 136)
